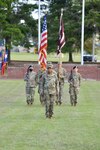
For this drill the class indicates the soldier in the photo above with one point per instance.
(74, 84)
(49, 90)
(61, 74)
(40, 73)
(54, 71)
(30, 78)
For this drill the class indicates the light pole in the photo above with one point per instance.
(39, 25)
(93, 47)
(39, 21)
(82, 32)
(93, 44)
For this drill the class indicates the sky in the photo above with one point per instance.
(35, 12)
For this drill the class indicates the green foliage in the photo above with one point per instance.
(92, 18)
(88, 45)
(11, 29)
(72, 18)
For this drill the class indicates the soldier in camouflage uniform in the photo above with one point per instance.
(30, 78)
(49, 90)
(40, 74)
(54, 71)
(74, 84)
(61, 74)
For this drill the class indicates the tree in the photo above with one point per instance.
(72, 25)
(72, 22)
(92, 18)
(11, 13)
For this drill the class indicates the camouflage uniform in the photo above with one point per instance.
(30, 78)
(49, 89)
(39, 81)
(61, 74)
(74, 84)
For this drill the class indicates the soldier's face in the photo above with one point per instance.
(30, 70)
(49, 70)
(59, 65)
(76, 69)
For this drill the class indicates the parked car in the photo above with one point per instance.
(89, 58)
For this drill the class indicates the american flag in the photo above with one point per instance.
(61, 39)
(43, 44)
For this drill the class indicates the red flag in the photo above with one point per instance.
(61, 39)
(43, 45)
(3, 68)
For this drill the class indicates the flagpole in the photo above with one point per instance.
(39, 25)
(60, 55)
(82, 32)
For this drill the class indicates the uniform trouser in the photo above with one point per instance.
(49, 103)
(41, 96)
(42, 99)
(73, 94)
(30, 91)
(60, 92)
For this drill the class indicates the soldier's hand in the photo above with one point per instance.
(42, 93)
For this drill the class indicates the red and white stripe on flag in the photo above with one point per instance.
(43, 44)
(61, 39)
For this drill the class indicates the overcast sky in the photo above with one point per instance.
(35, 12)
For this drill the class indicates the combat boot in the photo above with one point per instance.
(49, 116)
(72, 104)
(56, 102)
(75, 103)
(28, 102)
(32, 100)
(60, 102)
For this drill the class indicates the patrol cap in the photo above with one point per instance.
(49, 65)
(75, 67)
(31, 67)
(49, 62)
(59, 63)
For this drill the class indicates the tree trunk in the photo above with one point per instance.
(9, 59)
(70, 57)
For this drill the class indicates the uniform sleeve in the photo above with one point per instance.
(69, 78)
(26, 77)
(80, 79)
(64, 73)
(42, 84)
(57, 85)
(37, 78)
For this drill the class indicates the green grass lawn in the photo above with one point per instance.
(50, 57)
(25, 127)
